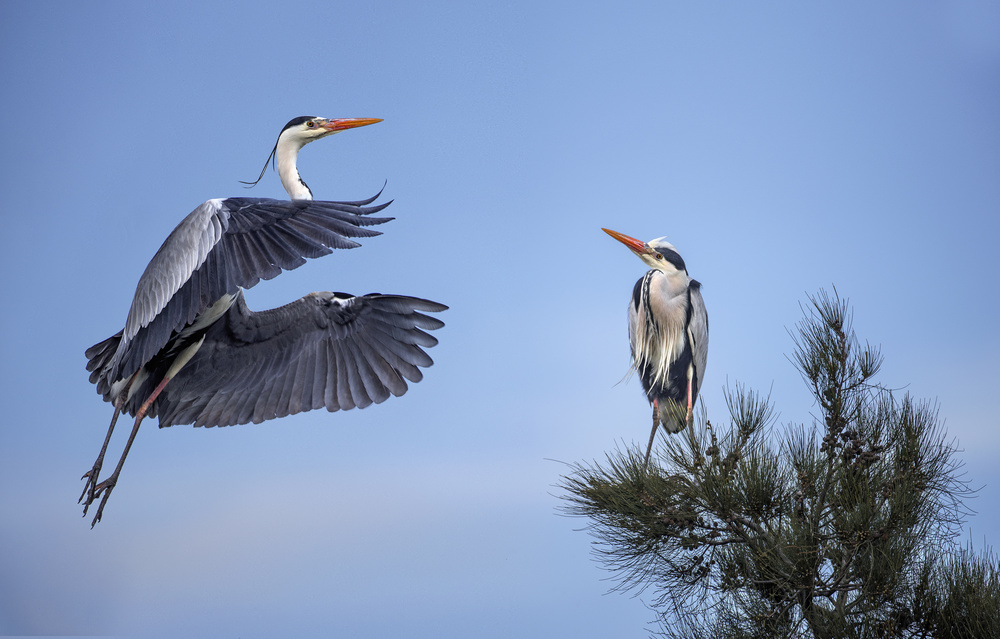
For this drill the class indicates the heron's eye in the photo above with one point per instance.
(311, 124)
(659, 257)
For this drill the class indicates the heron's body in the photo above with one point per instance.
(192, 352)
(668, 333)
(221, 247)
(665, 317)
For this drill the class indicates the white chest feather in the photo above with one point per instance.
(657, 323)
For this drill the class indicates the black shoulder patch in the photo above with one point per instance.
(690, 306)
(637, 292)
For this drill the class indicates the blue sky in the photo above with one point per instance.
(782, 147)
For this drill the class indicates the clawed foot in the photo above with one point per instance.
(90, 488)
(93, 490)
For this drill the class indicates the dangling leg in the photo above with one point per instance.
(108, 484)
(652, 434)
(92, 475)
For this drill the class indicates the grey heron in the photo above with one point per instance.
(192, 352)
(668, 333)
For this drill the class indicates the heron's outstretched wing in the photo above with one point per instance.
(224, 245)
(327, 350)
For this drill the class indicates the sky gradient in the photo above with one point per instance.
(782, 148)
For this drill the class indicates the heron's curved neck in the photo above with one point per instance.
(286, 154)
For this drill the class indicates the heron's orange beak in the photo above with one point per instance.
(348, 123)
(636, 246)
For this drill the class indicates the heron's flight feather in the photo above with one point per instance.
(325, 350)
(222, 246)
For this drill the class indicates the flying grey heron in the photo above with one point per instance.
(668, 333)
(192, 352)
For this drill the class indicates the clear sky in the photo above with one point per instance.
(782, 147)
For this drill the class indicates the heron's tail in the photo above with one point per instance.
(98, 357)
(673, 414)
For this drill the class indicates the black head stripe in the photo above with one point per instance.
(674, 258)
(297, 121)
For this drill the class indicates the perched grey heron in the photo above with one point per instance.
(668, 333)
(192, 352)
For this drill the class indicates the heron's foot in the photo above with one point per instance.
(102, 490)
(90, 488)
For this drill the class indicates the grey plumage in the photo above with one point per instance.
(325, 350)
(668, 333)
(220, 247)
(192, 352)
(668, 336)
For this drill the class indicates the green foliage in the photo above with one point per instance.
(845, 529)
(960, 596)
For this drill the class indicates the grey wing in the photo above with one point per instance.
(224, 245)
(698, 331)
(324, 350)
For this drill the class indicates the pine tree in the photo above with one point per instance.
(845, 529)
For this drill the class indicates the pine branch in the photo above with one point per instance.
(832, 531)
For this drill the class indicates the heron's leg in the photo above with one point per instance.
(92, 475)
(108, 484)
(652, 434)
(690, 422)
(690, 411)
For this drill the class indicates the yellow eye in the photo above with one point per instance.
(311, 124)
(659, 257)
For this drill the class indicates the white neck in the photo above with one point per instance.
(286, 155)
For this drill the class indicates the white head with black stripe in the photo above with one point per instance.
(296, 134)
(658, 254)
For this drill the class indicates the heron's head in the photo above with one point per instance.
(302, 130)
(296, 134)
(658, 254)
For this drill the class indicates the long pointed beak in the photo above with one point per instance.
(636, 246)
(342, 124)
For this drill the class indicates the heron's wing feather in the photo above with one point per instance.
(324, 350)
(224, 245)
(98, 357)
(698, 333)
